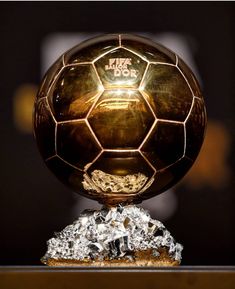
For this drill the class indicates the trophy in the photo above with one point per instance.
(118, 119)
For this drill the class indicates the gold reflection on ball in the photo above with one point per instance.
(119, 118)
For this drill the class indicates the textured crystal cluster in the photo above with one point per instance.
(110, 234)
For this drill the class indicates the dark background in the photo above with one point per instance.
(33, 204)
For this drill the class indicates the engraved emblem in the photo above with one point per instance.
(121, 67)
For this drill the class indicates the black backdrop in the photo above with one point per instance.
(33, 204)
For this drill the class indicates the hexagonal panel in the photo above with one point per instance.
(91, 49)
(49, 77)
(121, 119)
(76, 144)
(165, 144)
(44, 128)
(74, 92)
(195, 129)
(146, 48)
(168, 92)
(166, 178)
(120, 172)
(190, 77)
(120, 69)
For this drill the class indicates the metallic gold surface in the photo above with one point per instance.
(76, 144)
(119, 118)
(120, 68)
(153, 52)
(194, 126)
(119, 113)
(74, 92)
(167, 92)
(159, 149)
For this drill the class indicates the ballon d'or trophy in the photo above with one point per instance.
(118, 119)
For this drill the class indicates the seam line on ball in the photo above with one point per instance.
(140, 56)
(69, 163)
(102, 55)
(143, 77)
(193, 101)
(185, 78)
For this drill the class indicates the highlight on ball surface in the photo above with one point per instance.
(119, 118)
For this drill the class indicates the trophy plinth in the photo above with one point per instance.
(118, 119)
(116, 236)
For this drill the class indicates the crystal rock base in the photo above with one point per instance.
(115, 236)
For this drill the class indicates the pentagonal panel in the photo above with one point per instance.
(120, 69)
(91, 49)
(74, 92)
(120, 172)
(166, 178)
(165, 145)
(68, 175)
(44, 128)
(190, 77)
(49, 77)
(121, 119)
(195, 129)
(76, 144)
(167, 92)
(146, 48)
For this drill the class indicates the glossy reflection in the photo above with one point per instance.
(120, 68)
(124, 122)
(167, 92)
(121, 119)
(74, 92)
(76, 144)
